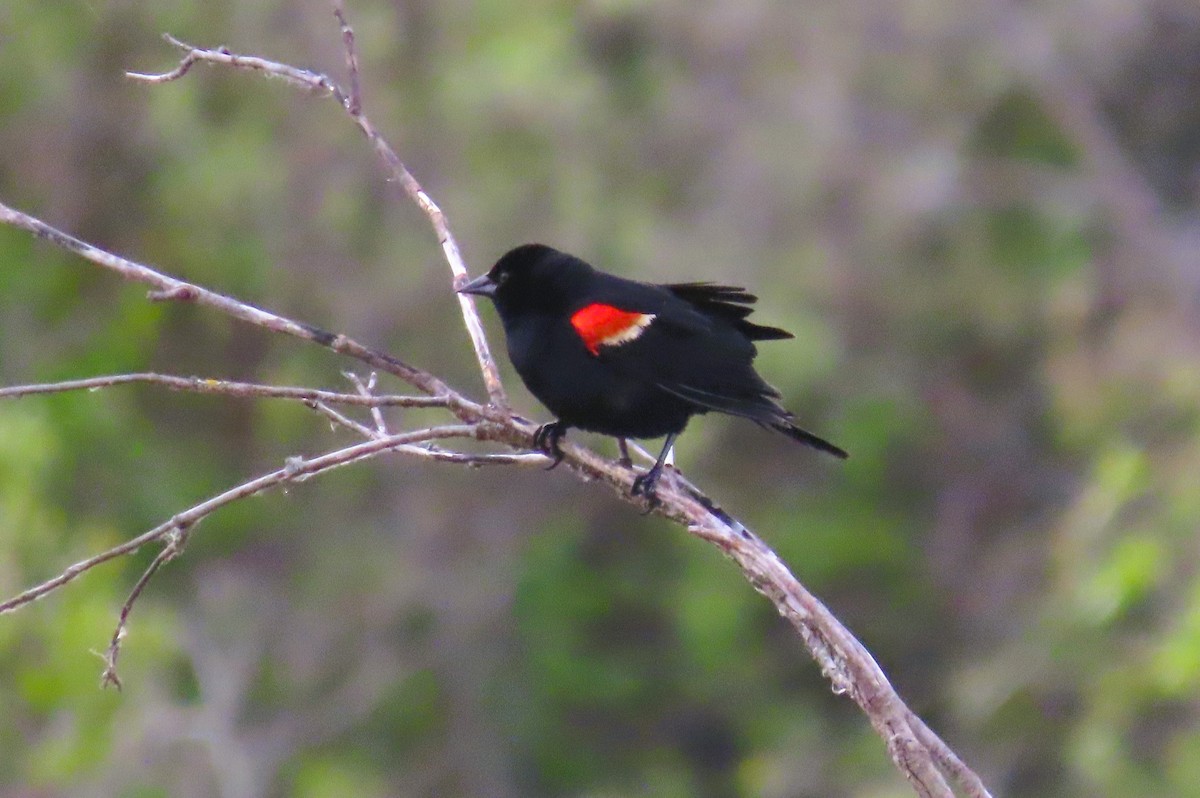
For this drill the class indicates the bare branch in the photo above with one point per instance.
(472, 460)
(175, 288)
(429, 451)
(340, 420)
(184, 67)
(948, 761)
(176, 539)
(366, 390)
(297, 469)
(351, 102)
(843, 659)
(300, 78)
(354, 101)
(224, 388)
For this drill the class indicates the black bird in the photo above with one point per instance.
(631, 359)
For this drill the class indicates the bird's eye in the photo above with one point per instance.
(499, 278)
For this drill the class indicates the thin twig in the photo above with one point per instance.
(184, 67)
(429, 451)
(340, 420)
(295, 470)
(176, 540)
(367, 390)
(473, 460)
(354, 100)
(300, 78)
(225, 388)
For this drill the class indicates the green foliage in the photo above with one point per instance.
(1018, 126)
(334, 777)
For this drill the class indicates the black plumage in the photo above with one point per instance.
(631, 359)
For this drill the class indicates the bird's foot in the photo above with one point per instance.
(547, 439)
(646, 486)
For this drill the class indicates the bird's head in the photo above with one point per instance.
(532, 278)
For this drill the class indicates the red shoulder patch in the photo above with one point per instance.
(604, 325)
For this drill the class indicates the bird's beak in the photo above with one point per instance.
(481, 286)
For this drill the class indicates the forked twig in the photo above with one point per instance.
(366, 391)
(176, 539)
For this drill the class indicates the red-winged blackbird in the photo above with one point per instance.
(630, 359)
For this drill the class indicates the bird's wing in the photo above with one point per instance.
(693, 342)
(715, 372)
(664, 340)
(728, 302)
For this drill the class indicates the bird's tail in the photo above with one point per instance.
(807, 438)
(760, 408)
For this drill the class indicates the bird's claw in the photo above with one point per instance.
(646, 486)
(546, 439)
(647, 492)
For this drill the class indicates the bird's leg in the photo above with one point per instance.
(547, 437)
(645, 484)
(623, 447)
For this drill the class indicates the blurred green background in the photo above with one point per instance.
(979, 217)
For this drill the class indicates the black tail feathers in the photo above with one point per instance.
(807, 438)
(760, 407)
